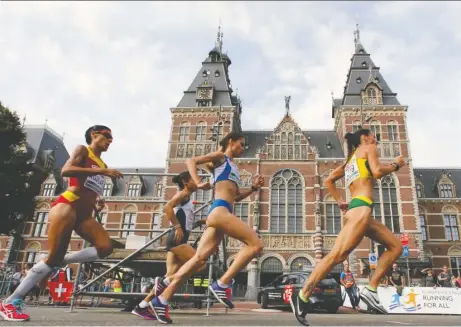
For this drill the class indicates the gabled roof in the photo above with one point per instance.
(319, 139)
(430, 177)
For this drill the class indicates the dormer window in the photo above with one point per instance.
(134, 190)
(48, 189)
(446, 190)
(446, 187)
(216, 73)
(358, 80)
(364, 63)
(372, 95)
(107, 190)
(419, 190)
(49, 163)
(158, 189)
(204, 74)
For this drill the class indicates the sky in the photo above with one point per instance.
(125, 64)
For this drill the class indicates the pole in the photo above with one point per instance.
(74, 293)
(408, 271)
(91, 282)
(210, 276)
(157, 174)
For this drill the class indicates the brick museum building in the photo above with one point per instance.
(296, 217)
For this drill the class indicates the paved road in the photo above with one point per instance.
(51, 316)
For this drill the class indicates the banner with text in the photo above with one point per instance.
(419, 300)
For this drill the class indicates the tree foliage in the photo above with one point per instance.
(20, 180)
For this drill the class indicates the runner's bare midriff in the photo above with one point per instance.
(226, 190)
(362, 187)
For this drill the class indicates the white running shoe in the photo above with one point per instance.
(372, 300)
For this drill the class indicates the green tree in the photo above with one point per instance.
(20, 181)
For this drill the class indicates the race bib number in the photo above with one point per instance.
(95, 183)
(287, 293)
(351, 171)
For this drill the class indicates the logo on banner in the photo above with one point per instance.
(287, 293)
(406, 302)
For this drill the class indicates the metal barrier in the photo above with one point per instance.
(211, 261)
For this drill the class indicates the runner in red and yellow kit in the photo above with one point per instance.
(73, 210)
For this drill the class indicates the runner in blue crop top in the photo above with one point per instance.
(220, 222)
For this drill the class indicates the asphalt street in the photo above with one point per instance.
(58, 316)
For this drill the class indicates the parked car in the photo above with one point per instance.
(326, 296)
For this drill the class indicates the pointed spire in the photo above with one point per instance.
(358, 44)
(357, 35)
(219, 39)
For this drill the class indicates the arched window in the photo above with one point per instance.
(371, 92)
(32, 251)
(332, 216)
(272, 265)
(200, 131)
(392, 131)
(286, 202)
(202, 196)
(184, 128)
(446, 187)
(300, 264)
(375, 128)
(387, 210)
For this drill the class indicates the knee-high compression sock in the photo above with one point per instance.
(39, 271)
(84, 255)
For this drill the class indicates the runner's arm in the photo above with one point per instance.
(192, 164)
(168, 209)
(377, 168)
(71, 168)
(256, 184)
(330, 182)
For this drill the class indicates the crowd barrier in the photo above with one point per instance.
(415, 300)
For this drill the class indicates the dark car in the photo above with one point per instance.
(326, 296)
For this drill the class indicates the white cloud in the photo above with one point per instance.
(125, 64)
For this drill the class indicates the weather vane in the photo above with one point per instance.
(287, 103)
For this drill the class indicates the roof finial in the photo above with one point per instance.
(357, 34)
(24, 120)
(219, 38)
(46, 121)
(287, 104)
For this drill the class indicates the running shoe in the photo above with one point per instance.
(13, 311)
(143, 313)
(372, 300)
(161, 311)
(222, 294)
(159, 286)
(299, 309)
